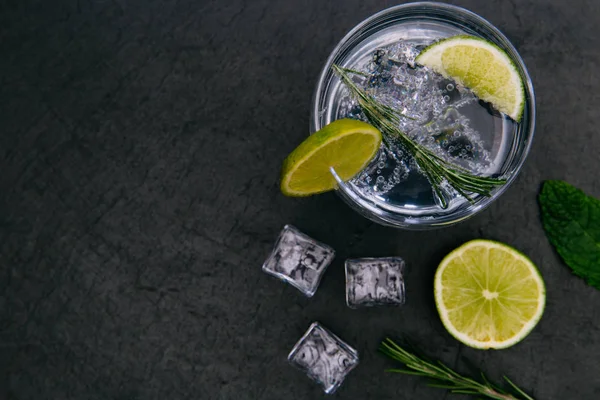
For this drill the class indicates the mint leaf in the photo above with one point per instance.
(572, 223)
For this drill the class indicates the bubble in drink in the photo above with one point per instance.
(324, 357)
(299, 260)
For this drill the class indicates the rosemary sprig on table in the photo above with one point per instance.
(437, 170)
(445, 378)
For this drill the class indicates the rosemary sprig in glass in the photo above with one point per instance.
(437, 170)
(445, 378)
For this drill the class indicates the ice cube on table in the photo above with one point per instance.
(299, 260)
(324, 357)
(374, 281)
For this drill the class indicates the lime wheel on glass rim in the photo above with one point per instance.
(346, 145)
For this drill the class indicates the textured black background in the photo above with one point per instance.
(140, 148)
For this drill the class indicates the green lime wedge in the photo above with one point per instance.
(480, 66)
(347, 145)
(488, 294)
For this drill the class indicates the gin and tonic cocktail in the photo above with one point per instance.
(437, 113)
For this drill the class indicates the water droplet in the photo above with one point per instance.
(381, 165)
(446, 98)
(380, 179)
(449, 87)
(378, 171)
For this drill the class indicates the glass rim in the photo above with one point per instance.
(383, 215)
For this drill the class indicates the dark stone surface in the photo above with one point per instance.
(139, 154)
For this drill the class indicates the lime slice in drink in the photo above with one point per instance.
(347, 145)
(488, 294)
(482, 67)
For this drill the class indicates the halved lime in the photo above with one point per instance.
(347, 145)
(480, 66)
(488, 294)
